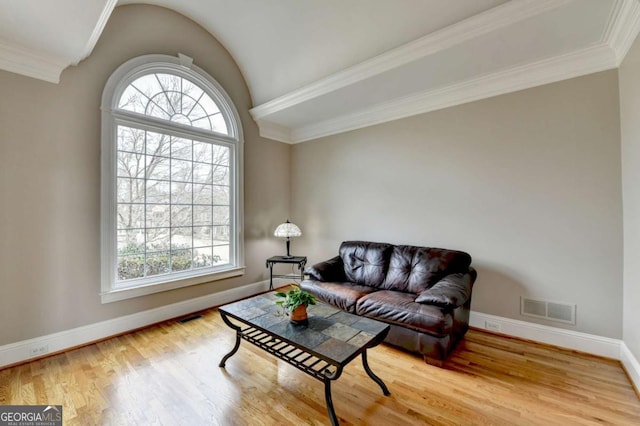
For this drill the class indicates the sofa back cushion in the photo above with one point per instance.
(415, 269)
(365, 262)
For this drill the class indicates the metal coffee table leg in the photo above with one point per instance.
(327, 394)
(238, 338)
(375, 378)
(330, 409)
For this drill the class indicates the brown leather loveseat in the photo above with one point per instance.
(423, 293)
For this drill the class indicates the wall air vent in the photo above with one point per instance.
(552, 311)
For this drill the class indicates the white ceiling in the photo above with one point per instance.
(320, 67)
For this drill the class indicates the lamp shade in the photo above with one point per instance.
(286, 230)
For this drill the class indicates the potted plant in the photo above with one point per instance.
(296, 302)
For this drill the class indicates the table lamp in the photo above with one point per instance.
(287, 230)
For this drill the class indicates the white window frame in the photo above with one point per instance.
(112, 116)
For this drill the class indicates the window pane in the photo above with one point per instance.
(202, 194)
(181, 148)
(192, 94)
(130, 190)
(203, 123)
(129, 139)
(221, 195)
(158, 216)
(202, 173)
(172, 86)
(176, 107)
(159, 107)
(181, 170)
(202, 152)
(197, 114)
(221, 155)
(181, 215)
(130, 267)
(220, 235)
(157, 239)
(202, 215)
(158, 144)
(158, 192)
(157, 263)
(130, 164)
(209, 105)
(130, 216)
(170, 82)
(188, 103)
(202, 257)
(130, 241)
(218, 124)
(181, 260)
(221, 254)
(133, 100)
(220, 215)
(181, 193)
(181, 238)
(202, 236)
(148, 84)
(220, 175)
(158, 168)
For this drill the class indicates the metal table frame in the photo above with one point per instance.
(304, 359)
(301, 261)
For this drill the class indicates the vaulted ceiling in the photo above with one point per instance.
(320, 67)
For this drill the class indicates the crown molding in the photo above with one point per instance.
(274, 131)
(586, 61)
(468, 29)
(21, 60)
(622, 28)
(97, 30)
(45, 66)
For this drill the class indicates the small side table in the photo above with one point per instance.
(295, 260)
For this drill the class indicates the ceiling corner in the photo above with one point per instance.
(623, 27)
(39, 65)
(47, 45)
(275, 131)
(97, 30)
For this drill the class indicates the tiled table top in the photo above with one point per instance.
(331, 333)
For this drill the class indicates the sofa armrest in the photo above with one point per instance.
(330, 270)
(450, 292)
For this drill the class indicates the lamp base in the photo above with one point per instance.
(287, 257)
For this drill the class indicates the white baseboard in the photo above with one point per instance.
(630, 364)
(22, 351)
(583, 342)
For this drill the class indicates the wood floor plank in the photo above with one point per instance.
(168, 374)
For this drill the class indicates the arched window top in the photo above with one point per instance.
(171, 89)
(173, 98)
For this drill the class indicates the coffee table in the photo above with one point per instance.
(321, 349)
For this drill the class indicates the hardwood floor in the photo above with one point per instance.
(168, 374)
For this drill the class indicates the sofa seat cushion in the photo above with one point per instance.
(342, 295)
(399, 308)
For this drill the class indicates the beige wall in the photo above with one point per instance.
(630, 133)
(50, 179)
(528, 183)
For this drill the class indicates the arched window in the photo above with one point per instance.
(171, 179)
